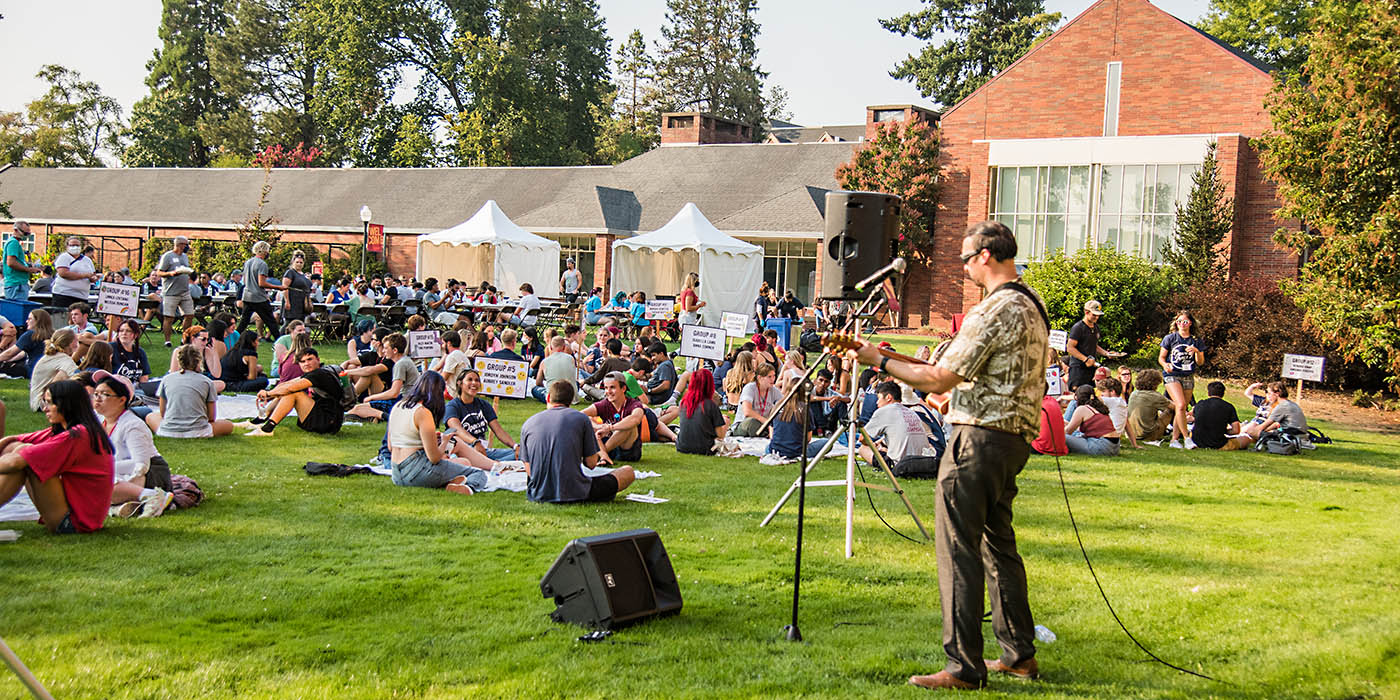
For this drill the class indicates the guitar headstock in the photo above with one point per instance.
(840, 342)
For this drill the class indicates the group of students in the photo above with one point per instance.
(1099, 411)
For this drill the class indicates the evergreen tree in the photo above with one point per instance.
(1201, 226)
(183, 89)
(987, 36)
(709, 59)
(634, 76)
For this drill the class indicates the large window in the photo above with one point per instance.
(581, 249)
(1128, 207)
(790, 264)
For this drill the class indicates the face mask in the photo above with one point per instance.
(75, 251)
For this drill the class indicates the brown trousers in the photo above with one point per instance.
(975, 540)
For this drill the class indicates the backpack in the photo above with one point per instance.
(1318, 437)
(187, 492)
(1278, 442)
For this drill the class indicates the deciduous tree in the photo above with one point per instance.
(901, 160)
(71, 122)
(1270, 30)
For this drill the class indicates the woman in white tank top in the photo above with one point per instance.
(418, 452)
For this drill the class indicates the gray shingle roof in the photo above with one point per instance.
(813, 134)
(739, 187)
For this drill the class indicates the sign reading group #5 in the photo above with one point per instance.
(117, 299)
(505, 378)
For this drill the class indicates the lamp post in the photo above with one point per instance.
(365, 216)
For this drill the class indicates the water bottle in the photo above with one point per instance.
(1043, 634)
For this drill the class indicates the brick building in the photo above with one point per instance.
(1092, 137)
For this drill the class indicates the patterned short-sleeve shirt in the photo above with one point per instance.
(1000, 352)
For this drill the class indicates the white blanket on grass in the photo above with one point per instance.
(507, 476)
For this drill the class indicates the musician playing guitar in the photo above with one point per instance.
(995, 370)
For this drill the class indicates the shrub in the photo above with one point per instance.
(1130, 288)
(1248, 326)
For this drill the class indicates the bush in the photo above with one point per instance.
(1248, 326)
(1130, 288)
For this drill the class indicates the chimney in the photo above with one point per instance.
(877, 115)
(698, 128)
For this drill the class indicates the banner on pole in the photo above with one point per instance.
(1059, 340)
(1305, 367)
(376, 238)
(659, 309)
(736, 325)
(422, 344)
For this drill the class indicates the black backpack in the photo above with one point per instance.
(1278, 442)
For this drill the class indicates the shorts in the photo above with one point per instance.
(651, 424)
(1188, 382)
(602, 488)
(206, 431)
(323, 422)
(626, 454)
(179, 305)
(383, 406)
(65, 526)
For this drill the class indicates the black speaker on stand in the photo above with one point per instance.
(610, 581)
(861, 230)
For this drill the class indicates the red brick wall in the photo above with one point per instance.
(701, 128)
(1174, 81)
(602, 263)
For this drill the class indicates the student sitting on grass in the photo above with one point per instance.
(701, 421)
(188, 402)
(1110, 392)
(472, 421)
(417, 453)
(1090, 429)
(1282, 412)
(141, 476)
(612, 363)
(623, 424)
(557, 442)
(558, 366)
(1215, 419)
(66, 468)
(315, 394)
(898, 431)
(758, 401)
(786, 428)
(662, 384)
(1051, 439)
(291, 365)
(1149, 413)
(56, 365)
(241, 371)
(403, 374)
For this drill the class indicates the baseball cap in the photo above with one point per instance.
(102, 374)
(1093, 307)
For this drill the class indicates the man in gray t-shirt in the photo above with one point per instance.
(556, 444)
(175, 298)
(898, 427)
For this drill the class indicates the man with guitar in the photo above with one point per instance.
(995, 369)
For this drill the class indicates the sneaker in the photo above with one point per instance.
(1154, 443)
(1175, 444)
(459, 485)
(156, 503)
(126, 510)
(257, 432)
(1190, 444)
(167, 343)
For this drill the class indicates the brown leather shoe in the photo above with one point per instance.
(1027, 670)
(944, 681)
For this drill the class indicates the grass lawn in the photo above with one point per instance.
(1276, 574)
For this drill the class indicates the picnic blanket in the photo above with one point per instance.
(20, 508)
(511, 476)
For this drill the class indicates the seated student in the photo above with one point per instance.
(701, 421)
(786, 428)
(662, 384)
(1125, 379)
(452, 362)
(636, 374)
(827, 407)
(282, 347)
(128, 359)
(1051, 439)
(555, 444)
(738, 377)
(638, 310)
(758, 401)
(291, 367)
(417, 454)
(241, 371)
(209, 359)
(531, 349)
(315, 394)
(1258, 395)
(362, 341)
(612, 363)
(620, 431)
(1150, 414)
(1090, 430)
(1215, 420)
(66, 468)
(19, 359)
(141, 478)
(591, 315)
(528, 302)
(188, 401)
(1110, 391)
(1283, 413)
(557, 366)
(98, 356)
(645, 337)
(368, 371)
(56, 365)
(898, 431)
(472, 421)
(403, 374)
(78, 315)
(507, 351)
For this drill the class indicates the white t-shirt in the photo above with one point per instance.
(1117, 411)
(73, 288)
(763, 405)
(529, 303)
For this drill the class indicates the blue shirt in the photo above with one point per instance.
(639, 314)
(594, 303)
(476, 416)
(1179, 355)
(787, 438)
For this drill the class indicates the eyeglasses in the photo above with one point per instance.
(968, 256)
(103, 395)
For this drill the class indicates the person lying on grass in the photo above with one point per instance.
(418, 454)
(139, 470)
(66, 468)
(403, 375)
(315, 395)
(622, 422)
(188, 401)
(556, 443)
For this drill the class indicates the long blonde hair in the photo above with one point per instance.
(741, 374)
(60, 342)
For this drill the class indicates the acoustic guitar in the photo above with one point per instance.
(841, 342)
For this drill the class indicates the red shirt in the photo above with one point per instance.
(611, 414)
(1051, 440)
(86, 476)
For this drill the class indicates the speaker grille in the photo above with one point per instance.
(624, 578)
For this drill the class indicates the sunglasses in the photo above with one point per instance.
(969, 256)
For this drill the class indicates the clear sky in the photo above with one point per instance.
(831, 56)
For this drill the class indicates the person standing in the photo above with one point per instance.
(571, 281)
(175, 298)
(1182, 352)
(1083, 346)
(256, 281)
(17, 267)
(995, 368)
(76, 274)
(298, 286)
(689, 300)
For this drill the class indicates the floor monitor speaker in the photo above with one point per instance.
(861, 230)
(609, 581)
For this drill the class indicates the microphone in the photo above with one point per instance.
(896, 267)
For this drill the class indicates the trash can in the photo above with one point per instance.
(17, 311)
(784, 328)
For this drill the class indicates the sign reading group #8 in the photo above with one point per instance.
(117, 299)
(703, 342)
(506, 378)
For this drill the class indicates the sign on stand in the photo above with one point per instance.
(703, 342)
(1053, 385)
(1303, 368)
(1059, 340)
(659, 309)
(117, 299)
(422, 344)
(506, 378)
(736, 325)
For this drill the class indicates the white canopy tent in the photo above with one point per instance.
(489, 246)
(730, 270)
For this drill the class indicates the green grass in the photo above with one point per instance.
(1276, 574)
